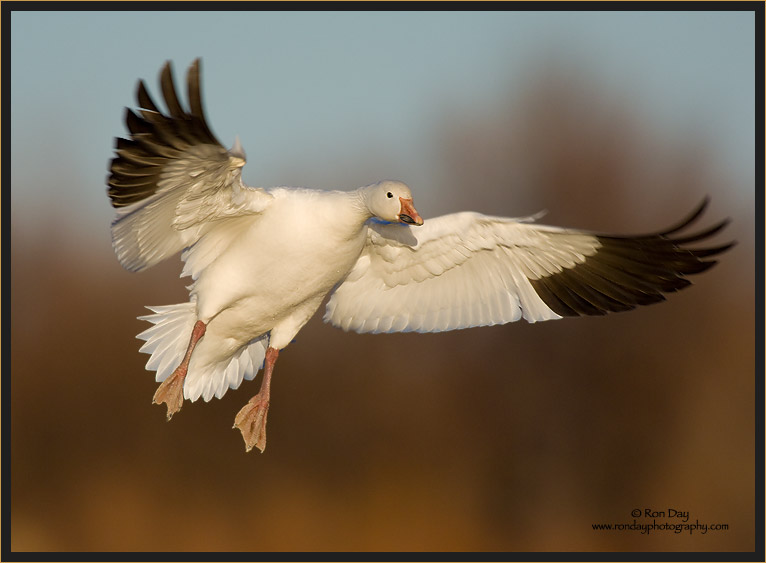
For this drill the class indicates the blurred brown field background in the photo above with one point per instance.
(506, 438)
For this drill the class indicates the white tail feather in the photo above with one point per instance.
(168, 339)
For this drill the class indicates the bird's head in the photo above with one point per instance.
(392, 201)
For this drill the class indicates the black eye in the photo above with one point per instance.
(389, 195)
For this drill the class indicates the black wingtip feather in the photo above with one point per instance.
(689, 219)
(169, 92)
(156, 137)
(135, 124)
(144, 99)
(628, 271)
(707, 233)
(196, 109)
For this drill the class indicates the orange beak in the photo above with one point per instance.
(408, 214)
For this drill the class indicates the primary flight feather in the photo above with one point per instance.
(262, 260)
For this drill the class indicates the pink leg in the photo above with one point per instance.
(171, 392)
(251, 419)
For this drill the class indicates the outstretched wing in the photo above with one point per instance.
(172, 180)
(467, 269)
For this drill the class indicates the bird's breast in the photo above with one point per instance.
(280, 262)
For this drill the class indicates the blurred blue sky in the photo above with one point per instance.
(312, 94)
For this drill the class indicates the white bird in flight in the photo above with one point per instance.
(262, 260)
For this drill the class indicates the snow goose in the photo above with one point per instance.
(262, 260)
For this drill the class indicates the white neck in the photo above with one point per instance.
(360, 200)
